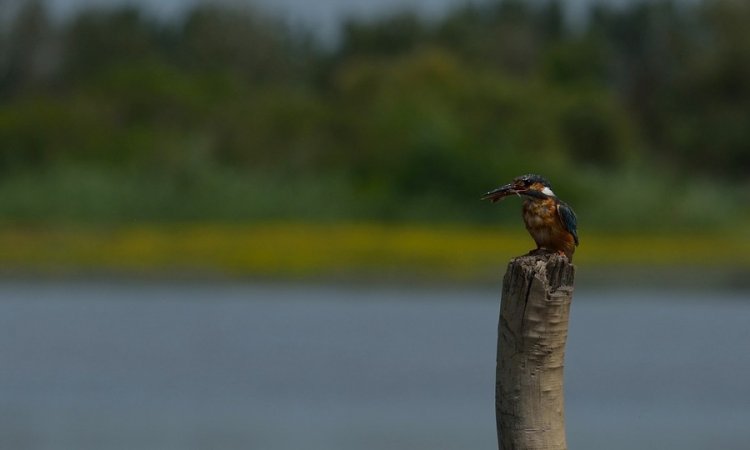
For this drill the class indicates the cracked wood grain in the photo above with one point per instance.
(532, 331)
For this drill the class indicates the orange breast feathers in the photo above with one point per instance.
(545, 227)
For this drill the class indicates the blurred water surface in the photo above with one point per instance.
(116, 365)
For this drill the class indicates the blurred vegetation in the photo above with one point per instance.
(445, 253)
(639, 116)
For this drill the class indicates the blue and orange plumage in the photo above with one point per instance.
(550, 221)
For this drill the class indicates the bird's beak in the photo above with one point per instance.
(500, 193)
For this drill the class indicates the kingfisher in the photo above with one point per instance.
(549, 220)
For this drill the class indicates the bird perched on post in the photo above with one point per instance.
(548, 219)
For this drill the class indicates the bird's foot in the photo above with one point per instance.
(541, 251)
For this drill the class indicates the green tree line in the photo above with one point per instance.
(639, 115)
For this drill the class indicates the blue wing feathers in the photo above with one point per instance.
(568, 219)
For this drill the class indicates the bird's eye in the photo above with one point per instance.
(528, 182)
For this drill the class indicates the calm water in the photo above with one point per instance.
(175, 366)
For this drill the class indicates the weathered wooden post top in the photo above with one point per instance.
(532, 331)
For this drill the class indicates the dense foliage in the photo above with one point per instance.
(639, 115)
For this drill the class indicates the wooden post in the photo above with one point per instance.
(532, 331)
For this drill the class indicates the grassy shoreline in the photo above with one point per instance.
(305, 250)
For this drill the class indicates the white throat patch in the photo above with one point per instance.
(548, 191)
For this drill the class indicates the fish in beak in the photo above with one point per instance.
(507, 190)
